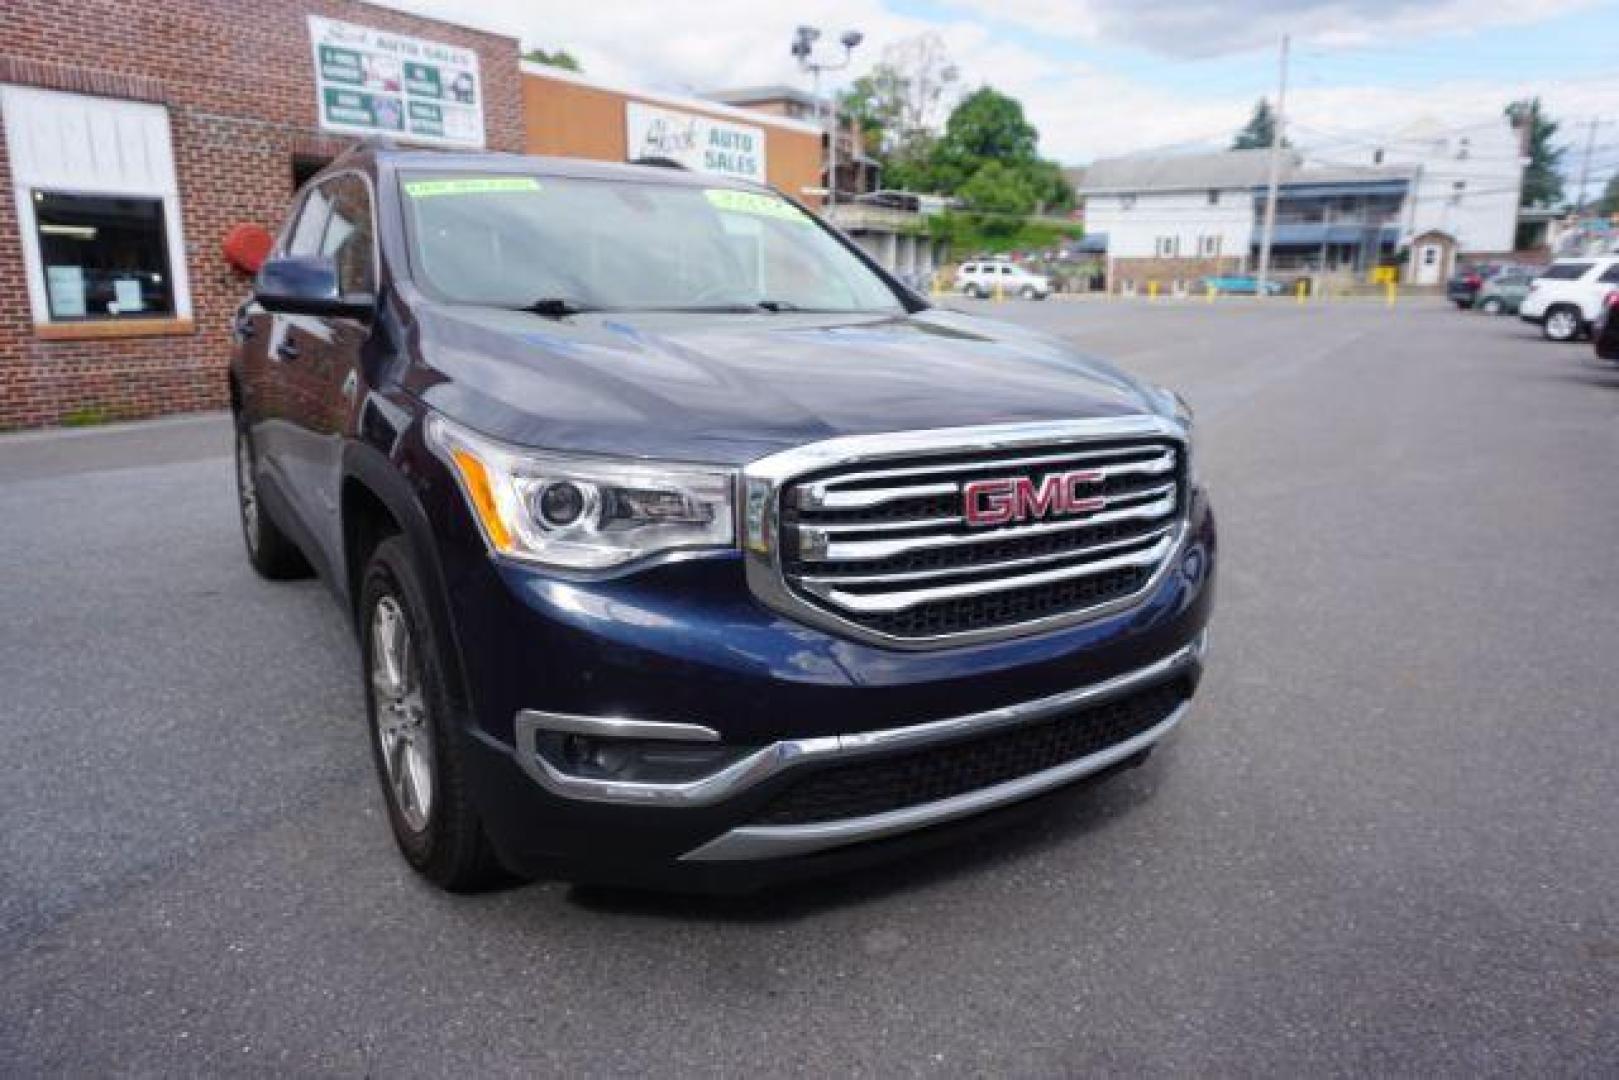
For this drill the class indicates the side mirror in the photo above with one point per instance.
(307, 285)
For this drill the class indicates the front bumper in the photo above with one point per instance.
(687, 644)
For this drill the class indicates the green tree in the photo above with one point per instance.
(1000, 190)
(987, 126)
(1610, 196)
(559, 58)
(1260, 129)
(1542, 177)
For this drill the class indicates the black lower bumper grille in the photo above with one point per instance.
(924, 776)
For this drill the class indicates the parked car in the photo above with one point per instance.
(988, 277)
(1605, 335)
(1503, 292)
(1463, 287)
(1241, 285)
(1564, 300)
(681, 541)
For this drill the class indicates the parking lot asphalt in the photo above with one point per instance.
(1386, 841)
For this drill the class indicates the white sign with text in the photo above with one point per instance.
(700, 143)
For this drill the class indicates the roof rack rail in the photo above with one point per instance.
(657, 162)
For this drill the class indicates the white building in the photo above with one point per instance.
(1185, 215)
(1468, 181)
(1175, 219)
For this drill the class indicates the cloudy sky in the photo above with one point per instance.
(1103, 77)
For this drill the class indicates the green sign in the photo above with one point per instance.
(470, 185)
(422, 80)
(370, 80)
(365, 110)
(747, 202)
(341, 65)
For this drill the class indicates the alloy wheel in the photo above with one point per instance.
(1560, 325)
(403, 732)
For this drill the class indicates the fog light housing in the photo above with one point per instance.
(639, 761)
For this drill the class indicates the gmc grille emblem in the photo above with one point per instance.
(1009, 499)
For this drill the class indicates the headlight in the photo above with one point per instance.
(583, 513)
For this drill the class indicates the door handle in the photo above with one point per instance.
(286, 349)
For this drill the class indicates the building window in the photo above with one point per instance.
(1127, 202)
(97, 205)
(103, 257)
(1209, 246)
(1214, 197)
(1168, 247)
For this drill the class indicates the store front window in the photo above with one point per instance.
(98, 214)
(104, 257)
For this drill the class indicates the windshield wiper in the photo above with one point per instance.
(778, 305)
(554, 307)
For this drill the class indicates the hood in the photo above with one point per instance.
(732, 388)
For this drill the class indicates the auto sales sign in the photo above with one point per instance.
(700, 143)
(373, 82)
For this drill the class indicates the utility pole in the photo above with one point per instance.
(1585, 162)
(1278, 121)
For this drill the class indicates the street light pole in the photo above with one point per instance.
(803, 51)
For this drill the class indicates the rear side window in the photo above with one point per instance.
(1610, 276)
(970, 268)
(1571, 271)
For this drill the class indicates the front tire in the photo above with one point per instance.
(1492, 306)
(270, 551)
(1029, 293)
(1562, 323)
(416, 738)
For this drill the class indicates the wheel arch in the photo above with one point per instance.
(377, 502)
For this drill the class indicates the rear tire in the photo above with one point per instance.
(417, 742)
(1492, 306)
(271, 552)
(1562, 323)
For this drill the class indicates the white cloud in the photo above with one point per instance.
(1204, 28)
(1083, 111)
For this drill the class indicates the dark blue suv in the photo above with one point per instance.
(684, 544)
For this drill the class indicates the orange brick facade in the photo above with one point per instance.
(238, 82)
(567, 118)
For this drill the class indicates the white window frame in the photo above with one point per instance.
(21, 109)
(1209, 246)
(1167, 247)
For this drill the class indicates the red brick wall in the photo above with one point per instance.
(238, 80)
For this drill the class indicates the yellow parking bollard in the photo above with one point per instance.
(1152, 289)
(1212, 291)
(1389, 287)
(1000, 291)
(1300, 290)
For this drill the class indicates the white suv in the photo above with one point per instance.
(1565, 299)
(983, 278)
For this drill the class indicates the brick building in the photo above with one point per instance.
(137, 135)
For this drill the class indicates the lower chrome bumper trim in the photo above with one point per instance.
(780, 841)
(777, 757)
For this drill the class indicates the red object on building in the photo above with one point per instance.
(247, 246)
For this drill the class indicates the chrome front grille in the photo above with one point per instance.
(883, 546)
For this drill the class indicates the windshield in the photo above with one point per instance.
(516, 241)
